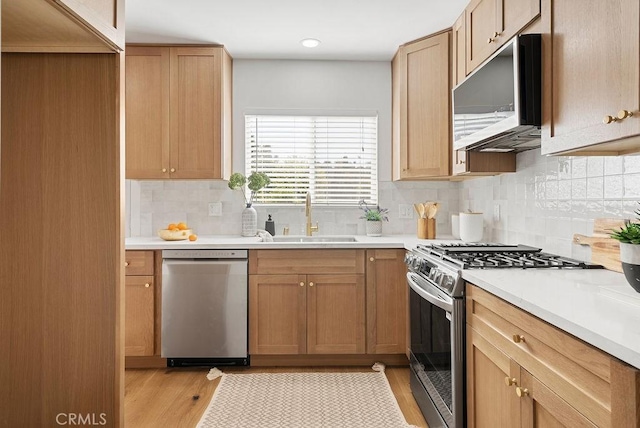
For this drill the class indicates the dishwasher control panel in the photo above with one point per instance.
(205, 254)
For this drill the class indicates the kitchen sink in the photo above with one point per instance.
(314, 239)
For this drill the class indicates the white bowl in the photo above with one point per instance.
(174, 235)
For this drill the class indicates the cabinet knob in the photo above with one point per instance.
(489, 40)
(623, 114)
(510, 381)
(147, 285)
(164, 169)
(126, 264)
(496, 34)
(302, 284)
(609, 119)
(311, 284)
(371, 259)
(173, 170)
(518, 338)
(522, 391)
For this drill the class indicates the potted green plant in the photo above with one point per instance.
(629, 237)
(374, 218)
(255, 182)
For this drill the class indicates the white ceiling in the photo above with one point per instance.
(349, 29)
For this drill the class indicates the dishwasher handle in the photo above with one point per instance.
(197, 254)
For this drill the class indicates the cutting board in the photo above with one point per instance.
(605, 251)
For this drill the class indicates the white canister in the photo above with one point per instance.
(471, 227)
(455, 226)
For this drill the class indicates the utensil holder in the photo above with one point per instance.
(426, 228)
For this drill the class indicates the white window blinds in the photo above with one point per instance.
(332, 157)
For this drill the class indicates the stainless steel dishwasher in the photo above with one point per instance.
(204, 307)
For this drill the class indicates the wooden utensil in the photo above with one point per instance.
(433, 209)
(605, 251)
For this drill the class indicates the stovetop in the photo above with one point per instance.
(441, 264)
(490, 256)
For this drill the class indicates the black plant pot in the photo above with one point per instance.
(630, 258)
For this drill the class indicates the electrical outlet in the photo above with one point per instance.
(496, 213)
(405, 211)
(215, 209)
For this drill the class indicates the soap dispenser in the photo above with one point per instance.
(270, 226)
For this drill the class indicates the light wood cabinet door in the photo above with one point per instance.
(459, 50)
(195, 98)
(491, 401)
(147, 112)
(139, 332)
(492, 23)
(422, 117)
(178, 112)
(386, 302)
(335, 314)
(586, 81)
(482, 28)
(543, 408)
(277, 314)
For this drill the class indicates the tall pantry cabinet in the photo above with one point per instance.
(61, 205)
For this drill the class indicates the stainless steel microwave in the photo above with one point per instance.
(498, 107)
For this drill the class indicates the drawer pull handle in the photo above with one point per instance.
(126, 264)
(510, 381)
(147, 285)
(522, 391)
(172, 170)
(371, 259)
(311, 284)
(609, 119)
(302, 284)
(164, 169)
(518, 338)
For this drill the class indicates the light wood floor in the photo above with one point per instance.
(166, 397)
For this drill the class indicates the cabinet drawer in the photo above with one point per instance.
(138, 263)
(574, 370)
(306, 261)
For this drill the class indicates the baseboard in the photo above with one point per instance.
(154, 362)
(328, 360)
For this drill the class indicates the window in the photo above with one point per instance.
(332, 157)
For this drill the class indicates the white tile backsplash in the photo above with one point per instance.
(543, 204)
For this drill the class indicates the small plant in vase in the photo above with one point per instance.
(374, 216)
(629, 237)
(255, 182)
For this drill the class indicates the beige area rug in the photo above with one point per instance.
(287, 400)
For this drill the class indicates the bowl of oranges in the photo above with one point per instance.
(177, 232)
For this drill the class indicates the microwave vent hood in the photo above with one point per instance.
(498, 107)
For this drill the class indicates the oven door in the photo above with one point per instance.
(437, 352)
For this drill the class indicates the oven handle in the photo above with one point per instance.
(414, 282)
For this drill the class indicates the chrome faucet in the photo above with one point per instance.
(310, 229)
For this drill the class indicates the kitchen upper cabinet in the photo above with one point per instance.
(592, 94)
(386, 301)
(178, 122)
(491, 23)
(459, 50)
(306, 302)
(62, 26)
(522, 371)
(421, 109)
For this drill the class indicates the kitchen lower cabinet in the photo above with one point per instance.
(306, 314)
(139, 299)
(522, 371)
(591, 95)
(387, 301)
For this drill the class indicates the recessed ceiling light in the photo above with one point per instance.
(310, 43)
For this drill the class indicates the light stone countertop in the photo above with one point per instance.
(595, 305)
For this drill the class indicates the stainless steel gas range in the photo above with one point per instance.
(437, 317)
